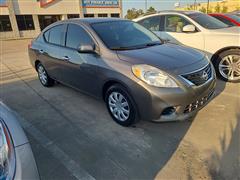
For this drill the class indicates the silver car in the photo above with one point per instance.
(16, 157)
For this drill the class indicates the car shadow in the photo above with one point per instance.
(81, 126)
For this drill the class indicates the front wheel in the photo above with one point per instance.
(227, 65)
(120, 105)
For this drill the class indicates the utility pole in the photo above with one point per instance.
(195, 4)
(145, 6)
(207, 6)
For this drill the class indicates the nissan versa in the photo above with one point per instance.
(137, 75)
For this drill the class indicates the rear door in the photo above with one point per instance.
(79, 69)
(52, 51)
(173, 32)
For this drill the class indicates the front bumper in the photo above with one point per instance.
(26, 167)
(186, 101)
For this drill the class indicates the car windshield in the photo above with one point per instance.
(207, 21)
(234, 17)
(125, 35)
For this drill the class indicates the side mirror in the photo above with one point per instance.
(189, 28)
(86, 48)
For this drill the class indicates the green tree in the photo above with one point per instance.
(151, 10)
(134, 13)
(203, 9)
(217, 8)
(224, 9)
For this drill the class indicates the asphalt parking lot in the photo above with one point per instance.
(73, 137)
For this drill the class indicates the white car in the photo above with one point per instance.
(220, 42)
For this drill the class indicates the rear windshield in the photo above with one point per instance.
(207, 21)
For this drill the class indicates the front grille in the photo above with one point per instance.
(199, 77)
(199, 103)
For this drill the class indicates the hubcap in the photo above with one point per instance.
(42, 74)
(229, 67)
(118, 106)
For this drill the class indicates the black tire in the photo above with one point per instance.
(219, 58)
(132, 118)
(49, 81)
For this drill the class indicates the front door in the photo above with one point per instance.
(79, 69)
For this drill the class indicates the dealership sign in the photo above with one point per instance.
(99, 3)
(44, 3)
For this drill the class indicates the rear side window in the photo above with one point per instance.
(151, 23)
(77, 36)
(56, 35)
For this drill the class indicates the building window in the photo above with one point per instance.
(71, 16)
(25, 22)
(117, 15)
(5, 24)
(88, 15)
(102, 15)
(46, 20)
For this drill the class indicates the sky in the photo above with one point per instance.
(157, 4)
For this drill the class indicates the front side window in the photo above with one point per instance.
(56, 35)
(123, 35)
(151, 23)
(25, 22)
(207, 21)
(5, 24)
(175, 23)
(77, 36)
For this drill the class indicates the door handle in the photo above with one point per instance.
(41, 51)
(66, 58)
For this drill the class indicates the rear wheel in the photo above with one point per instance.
(44, 77)
(120, 105)
(227, 65)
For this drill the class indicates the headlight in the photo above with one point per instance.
(7, 154)
(153, 76)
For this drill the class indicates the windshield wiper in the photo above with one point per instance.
(126, 48)
(137, 46)
(153, 44)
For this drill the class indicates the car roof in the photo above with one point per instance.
(94, 20)
(166, 12)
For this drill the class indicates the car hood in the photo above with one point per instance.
(166, 56)
(235, 30)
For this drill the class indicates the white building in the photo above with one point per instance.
(26, 18)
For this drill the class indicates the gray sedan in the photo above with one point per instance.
(16, 157)
(137, 75)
